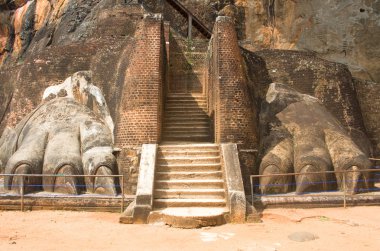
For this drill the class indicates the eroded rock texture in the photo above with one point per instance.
(63, 137)
(345, 31)
(301, 136)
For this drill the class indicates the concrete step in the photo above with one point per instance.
(190, 109)
(187, 114)
(174, 153)
(185, 127)
(183, 122)
(189, 217)
(182, 119)
(190, 147)
(186, 105)
(189, 184)
(185, 96)
(181, 101)
(187, 167)
(193, 130)
(189, 175)
(189, 160)
(185, 101)
(169, 132)
(162, 203)
(187, 137)
(189, 193)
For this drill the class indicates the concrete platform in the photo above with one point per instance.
(189, 217)
(315, 200)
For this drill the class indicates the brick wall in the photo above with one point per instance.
(141, 105)
(140, 113)
(235, 118)
(230, 104)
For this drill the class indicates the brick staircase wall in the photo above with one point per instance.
(229, 99)
(140, 112)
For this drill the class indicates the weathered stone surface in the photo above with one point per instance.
(188, 217)
(139, 210)
(342, 31)
(301, 136)
(63, 137)
(234, 183)
(330, 82)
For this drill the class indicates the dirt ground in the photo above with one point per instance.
(355, 228)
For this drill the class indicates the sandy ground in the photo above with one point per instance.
(337, 229)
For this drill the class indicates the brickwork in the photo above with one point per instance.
(140, 112)
(235, 118)
(141, 105)
(230, 105)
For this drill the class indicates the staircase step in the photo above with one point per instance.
(187, 137)
(186, 106)
(190, 129)
(186, 114)
(188, 175)
(189, 217)
(183, 122)
(202, 132)
(181, 100)
(161, 203)
(185, 95)
(198, 153)
(187, 167)
(188, 160)
(185, 101)
(190, 147)
(189, 184)
(189, 193)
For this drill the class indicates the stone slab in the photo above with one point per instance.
(236, 200)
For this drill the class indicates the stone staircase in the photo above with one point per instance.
(189, 188)
(185, 118)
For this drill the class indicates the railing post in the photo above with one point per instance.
(22, 193)
(344, 189)
(122, 193)
(250, 180)
(190, 26)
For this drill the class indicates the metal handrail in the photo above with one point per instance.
(251, 177)
(23, 176)
(191, 17)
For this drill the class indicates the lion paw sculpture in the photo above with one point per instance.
(61, 137)
(300, 136)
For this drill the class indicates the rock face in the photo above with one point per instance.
(343, 31)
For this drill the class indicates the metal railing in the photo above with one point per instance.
(321, 193)
(23, 176)
(192, 19)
